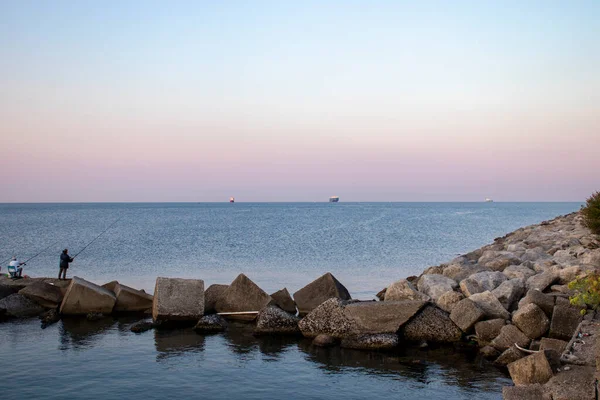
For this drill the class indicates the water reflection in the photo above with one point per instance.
(177, 342)
(79, 333)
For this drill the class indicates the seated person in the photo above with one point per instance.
(14, 268)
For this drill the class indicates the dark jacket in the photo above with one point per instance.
(65, 260)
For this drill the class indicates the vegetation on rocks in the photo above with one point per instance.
(587, 292)
(591, 213)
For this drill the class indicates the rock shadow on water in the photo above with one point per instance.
(177, 342)
(79, 333)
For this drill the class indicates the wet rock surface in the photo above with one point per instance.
(211, 323)
(432, 325)
(320, 290)
(274, 320)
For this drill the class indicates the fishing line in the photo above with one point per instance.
(102, 233)
(46, 248)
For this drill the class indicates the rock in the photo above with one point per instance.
(531, 369)
(518, 271)
(431, 325)
(381, 294)
(211, 323)
(404, 290)
(283, 300)
(564, 257)
(435, 285)
(6, 291)
(130, 299)
(509, 335)
(315, 293)
(242, 295)
(562, 289)
(481, 281)
(486, 331)
(574, 383)
(177, 299)
(509, 292)
(465, 314)
(94, 316)
(141, 326)
(528, 392)
(557, 345)
(45, 294)
(112, 286)
(272, 320)
(535, 254)
(489, 352)
(509, 355)
(328, 318)
(569, 274)
(371, 317)
(490, 305)
(498, 260)
(591, 257)
(565, 321)
(435, 270)
(381, 341)
(83, 297)
(542, 281)
(49, 317)
(324, 341)
(531, 320)
(211, 296)
(448, 300)
(458, 272)
(543, 301)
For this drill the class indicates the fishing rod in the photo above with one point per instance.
(101, 233)
(46, 248)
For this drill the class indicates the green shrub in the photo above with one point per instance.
(591, 213)
(587, 292)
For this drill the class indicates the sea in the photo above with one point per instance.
(366, 246)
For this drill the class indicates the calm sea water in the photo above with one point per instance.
(365, 245)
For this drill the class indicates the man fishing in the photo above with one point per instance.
(65, 259)
(15, 268)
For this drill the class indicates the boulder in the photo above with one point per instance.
(542, 300)
(328, 318)
(272, 320)
(466, 314)
(518, 271)
(542, 281)
(380, 341)
(486, 331)
(575, 383)
(535, 254)
(131, 300)
(435, 285)
(6, 290)
(45, 294)
(431, 325)
(141, 326)
(591, 257)
(324, 341)
(371, 317)
(555, 344)
(315, 293)
(458, 272)
(569, 274)
(112, 285)
(509, 335)
(482, 281)
(448, 300)
(528, 392)
(49, 317)
(490, 305)
(241, 296)
(83, 297)
(489, 352)
(531, 369)
(283, 300)
(404, 290)
(19, 306)
(211, 323)
(565, 321)
(531, 320)
(498, 260)
(509, 355)
(211, 296)
(510, 292)
(177, 299)
(381, 294)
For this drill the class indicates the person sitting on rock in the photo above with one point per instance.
(15, 269)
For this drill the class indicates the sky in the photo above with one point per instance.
(298, 101)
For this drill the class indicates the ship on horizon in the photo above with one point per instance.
(488, 200)
(232, 199)
(334, 199)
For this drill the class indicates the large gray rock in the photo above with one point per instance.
(531, 369)
(211, 323)
(509, 335)
(211, 296)
(528, 392)
(509, 355)
(131, 300)
(487, 331)
(45, 294)
(315, 293)
(19, 306)
(431, 325)
(435, 285)
(510, 292)
(531, 320)
(325, 341)
(498, 260)
(466, 314)
(542, 281)
(482, 281)
(272, 320)
(381, 317)
(518, 271)
(591, 257)
(242, 295)
(576, 383)
(448, 300)
(404, 290)
(542, 300)
(565, 321)
(380, 341)
(458, 272)
(569, 274)
(490, 305)
(6, 290)
(177, 299)
(283, 300)
(555, 344)
(329, 318)
(83, 297)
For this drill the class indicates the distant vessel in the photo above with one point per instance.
(334, 199)
(232, 199)
(488, 200)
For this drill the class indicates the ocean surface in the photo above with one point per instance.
(365, 245)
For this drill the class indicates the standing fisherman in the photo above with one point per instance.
(65, 259)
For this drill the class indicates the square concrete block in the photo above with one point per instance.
(130, 299)
(177, 299)
(83, 297)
